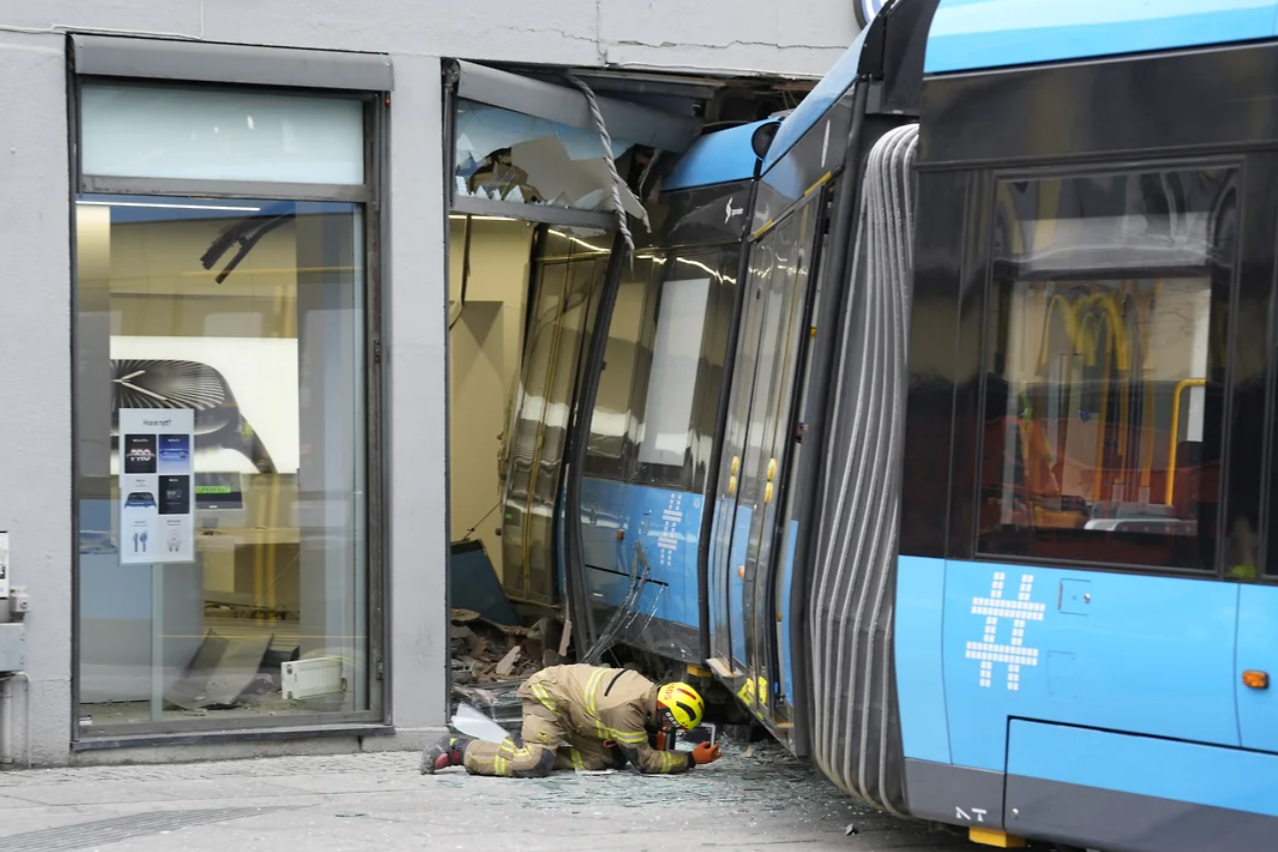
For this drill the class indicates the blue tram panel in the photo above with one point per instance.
(1124, 652)
(1257, 651)
(1057, 682)
(717, 158)
(667, 523)
(968, 35)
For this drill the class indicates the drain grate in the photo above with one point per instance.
(104, 831)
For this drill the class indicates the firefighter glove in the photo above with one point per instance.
(705, 753)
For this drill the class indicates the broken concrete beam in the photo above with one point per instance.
(507, 664)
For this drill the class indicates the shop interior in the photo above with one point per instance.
(248, 313)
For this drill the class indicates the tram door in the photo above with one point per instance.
(747, 559)
(566, 281)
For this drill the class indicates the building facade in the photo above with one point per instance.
(224, 452)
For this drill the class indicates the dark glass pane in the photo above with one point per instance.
(1105, 367)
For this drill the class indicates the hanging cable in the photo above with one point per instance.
(465, 281)
(615, 181)
(471, 531)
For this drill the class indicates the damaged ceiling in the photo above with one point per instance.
(502, 155)
(523, 137)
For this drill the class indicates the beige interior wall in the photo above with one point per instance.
(485, 349)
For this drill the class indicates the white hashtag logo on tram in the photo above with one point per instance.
(994, 608)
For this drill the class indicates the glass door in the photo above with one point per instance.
(727, 549)
(744, 645)
(771, 432)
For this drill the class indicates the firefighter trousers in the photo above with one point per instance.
(546, 745)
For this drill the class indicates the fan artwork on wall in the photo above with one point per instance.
(173, 384)
(243, 390)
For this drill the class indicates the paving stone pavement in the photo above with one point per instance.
(753, 799)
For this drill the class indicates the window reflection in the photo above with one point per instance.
(1103, 395)
(657, 406)
(247, 317)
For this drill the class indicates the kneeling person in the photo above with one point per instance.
(584, 717)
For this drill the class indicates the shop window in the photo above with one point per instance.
(1105, 365)
(221, 420)
(143, 131)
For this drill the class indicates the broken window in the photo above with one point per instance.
(502, 155)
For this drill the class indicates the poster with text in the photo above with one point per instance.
(157, 501)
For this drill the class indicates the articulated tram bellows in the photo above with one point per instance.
(856, 735)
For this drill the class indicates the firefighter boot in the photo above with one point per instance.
(449, 751)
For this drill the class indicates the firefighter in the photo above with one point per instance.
(584, 717)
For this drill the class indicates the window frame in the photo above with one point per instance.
(984, 189)
(374, 235)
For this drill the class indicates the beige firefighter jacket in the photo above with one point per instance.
(606, 704)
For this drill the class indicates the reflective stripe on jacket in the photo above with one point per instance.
(606, 704)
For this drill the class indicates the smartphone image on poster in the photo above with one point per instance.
(175, 495)
(174, 453)
(139, 454)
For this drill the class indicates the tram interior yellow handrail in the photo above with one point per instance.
(1175, 434)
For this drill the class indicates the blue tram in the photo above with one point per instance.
(946, 423)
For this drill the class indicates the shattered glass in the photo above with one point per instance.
(501, 155)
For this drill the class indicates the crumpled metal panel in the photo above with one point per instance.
(856, 734)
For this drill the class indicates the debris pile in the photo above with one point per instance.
(491, 660)
(486, 652)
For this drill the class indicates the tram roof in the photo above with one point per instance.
(723, 156)
(968, 35)
(889, 52)
(818, 102)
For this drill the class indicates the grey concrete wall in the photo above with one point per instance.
(803, 37)
(417, 312)
(723, 36)
(35, 379)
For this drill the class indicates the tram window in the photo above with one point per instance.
(612, 424)
(676, 396)
(673, 377)
(1105, 361)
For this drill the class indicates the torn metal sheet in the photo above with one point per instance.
(646, 125)
(482, 129)
(500, 155)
